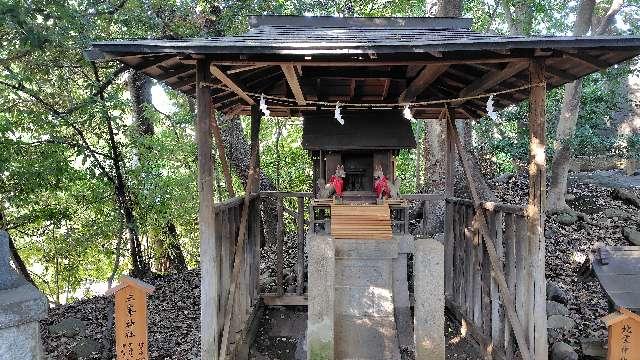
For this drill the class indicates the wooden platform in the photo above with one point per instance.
(361, 222)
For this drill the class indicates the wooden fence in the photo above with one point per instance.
(470, 290)
(228, 216)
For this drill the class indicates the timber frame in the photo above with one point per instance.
(439, 68)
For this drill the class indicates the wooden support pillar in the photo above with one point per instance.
(536, 207)
(256, 117)
(206, 219)
(450, 152)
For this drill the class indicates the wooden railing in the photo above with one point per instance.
(228, 216)
(292, 217)
(470, 290)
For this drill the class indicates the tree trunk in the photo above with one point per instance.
(167, 248)
(17, 259)
(449, 8)
(238, 154)
(556, 200)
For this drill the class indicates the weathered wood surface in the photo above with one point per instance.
(361, 222)
(618, 270)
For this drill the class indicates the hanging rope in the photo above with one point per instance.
(332, 105)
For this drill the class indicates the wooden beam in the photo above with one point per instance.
(426, 77)
(496, 263)
(491, 79)
(244, 68)
(564, 75)
(348, 63)
(536, 208)
(284, 300)
(206, 220)
(231, 84)
(222, 156)
(587, 59)
(292, 78)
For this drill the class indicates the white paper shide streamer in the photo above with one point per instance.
(490, 110)
(338, 115)
(407, 113)
(263, 106)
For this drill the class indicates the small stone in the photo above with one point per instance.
(631, 234)
(68, 327)
(594, 348)
(569, 197)
(503, 178)
(555, 308)
(563, 351)
(84, 348)
(566, 218)
(560, 322)
(555, 293)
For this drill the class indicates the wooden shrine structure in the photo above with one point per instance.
(438, 67)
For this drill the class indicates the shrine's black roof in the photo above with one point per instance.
(369, 60)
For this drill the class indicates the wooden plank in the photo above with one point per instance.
(510, 270)
(491, 79)
(487, 305)
(536, 206)
(468, 262)
(280, 247)
(522, 270)
(427, 76)
(477, 275)
(206, 221)
(497, 321)
(300, 257)
(231, 84)
(284, 300)
(292, 78)
(496, 263)
(449, 247)
(587, 59)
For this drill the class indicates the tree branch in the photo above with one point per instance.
(609, 18)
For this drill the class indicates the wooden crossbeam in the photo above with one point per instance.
(292, 78)
(244, 68)
(231, 84)
(426, 77)
(588, 59)
(562, 74)
(496, 263)
(492, 79)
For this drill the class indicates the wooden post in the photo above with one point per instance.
(450, 154)
(300, 259)
(256, 118)
(130, 312)
(206, 219)
(223, 157)
(536, 205)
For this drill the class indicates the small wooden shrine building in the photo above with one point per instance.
(438, 67)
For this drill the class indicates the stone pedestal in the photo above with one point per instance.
(429, 300)
(21, 307)
(321, 294)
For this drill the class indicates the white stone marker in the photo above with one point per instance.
(429, 300)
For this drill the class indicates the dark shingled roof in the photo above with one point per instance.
(368, 60)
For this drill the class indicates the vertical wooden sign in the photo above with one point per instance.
(131, 318)
(624, 335)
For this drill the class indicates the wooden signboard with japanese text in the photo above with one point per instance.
(131, 319)
(624, 335)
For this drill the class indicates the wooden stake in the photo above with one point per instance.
(242, 234)
(536, 207)
(228, 183)
(206, 220)
(496, 263)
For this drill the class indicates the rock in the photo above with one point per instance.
(631, 234)
(503, 178)
(626, 196)
(616, 213)
(85, 347)
(563, 351)
(560, 322)
(291, 289)
(593, 348)
(550, 232)
(555, 293)
(68, 327)
(566, 218)
(569, 197)
(555, 308)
